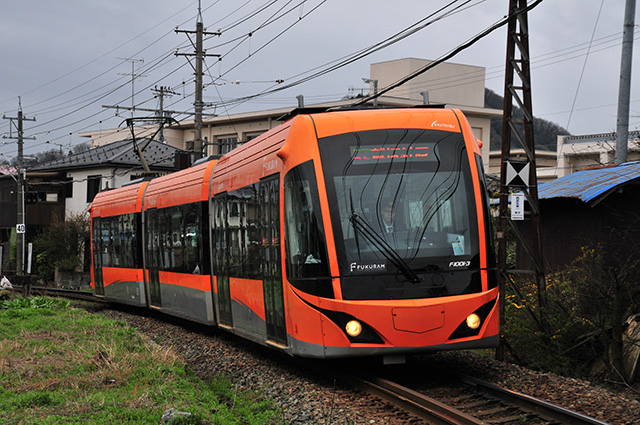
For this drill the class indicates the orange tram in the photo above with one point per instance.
(336, 234)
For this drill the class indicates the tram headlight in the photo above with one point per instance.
(353, 328)
(473, 321)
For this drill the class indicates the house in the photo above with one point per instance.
(60, 189)
(85, 174)
(586, 208)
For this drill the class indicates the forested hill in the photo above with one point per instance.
(545, 132)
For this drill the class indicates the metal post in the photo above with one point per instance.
(622, 138)
(518, 64)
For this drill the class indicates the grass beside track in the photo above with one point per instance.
(61, 365)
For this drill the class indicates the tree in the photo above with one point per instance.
(607, 292)
(545, 132)
(65, 246)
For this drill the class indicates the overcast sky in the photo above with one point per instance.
(67, 59)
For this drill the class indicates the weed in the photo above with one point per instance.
(62, 365)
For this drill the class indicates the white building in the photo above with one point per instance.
(453, 85)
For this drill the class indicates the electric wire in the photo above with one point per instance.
(584, 65)
(225, 102)
(451, 54)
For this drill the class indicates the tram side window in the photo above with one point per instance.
(235, 223)
(236, 227)
(252, 234)
(165, 244)
(117, 241)
(218, 226)
(177, 240)
(193, 239)
(306, 250)
(175, 233)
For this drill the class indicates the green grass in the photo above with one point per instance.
(60, 365)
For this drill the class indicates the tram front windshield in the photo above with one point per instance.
(401, 205)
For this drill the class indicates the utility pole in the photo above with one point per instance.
(199, 55)
(519, 176)
(133, 77)
(162, 92)
(16, 123)
(624, 93)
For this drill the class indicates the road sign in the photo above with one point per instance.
(21, 228)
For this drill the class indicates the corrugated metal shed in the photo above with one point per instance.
(590, 186)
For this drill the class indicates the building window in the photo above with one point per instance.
(227, 144)
(93, 187)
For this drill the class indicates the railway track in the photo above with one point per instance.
(440, 398)
(463, 400)
(65, 293)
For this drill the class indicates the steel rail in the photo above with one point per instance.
(528, 403)
(420, 405)
(426, 408)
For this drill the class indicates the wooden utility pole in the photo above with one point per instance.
(518, 175)
(199, 54)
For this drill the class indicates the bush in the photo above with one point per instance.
(65, 246)
(563, 351)
(586, 307)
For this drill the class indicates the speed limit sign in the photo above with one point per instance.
(21, 228)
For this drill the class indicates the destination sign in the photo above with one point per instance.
(382, 153)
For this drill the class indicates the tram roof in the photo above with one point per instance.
(591, 185)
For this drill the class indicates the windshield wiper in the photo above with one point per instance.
(386, 250)
(353, 223)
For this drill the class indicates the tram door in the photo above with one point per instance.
(221, 257)
(97, 256)
(153, 257)
(271, 265)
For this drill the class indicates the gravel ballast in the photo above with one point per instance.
(308, 397)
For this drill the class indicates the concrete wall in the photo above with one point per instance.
(448, 83)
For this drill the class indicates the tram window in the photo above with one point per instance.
(115, 242)
(192, 240)
(252, 234)
(166, 246)
(177, 240)
(306, 252)
(235, 219)
(219, 224)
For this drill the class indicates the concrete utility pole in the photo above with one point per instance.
(162, 92)
(624, 93)
(16, 122)
(199, 55)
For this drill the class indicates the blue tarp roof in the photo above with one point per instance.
(589, 185)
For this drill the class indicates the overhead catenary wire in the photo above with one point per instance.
(584, 65)
(230, 102)
(449, 55)
(348, 59)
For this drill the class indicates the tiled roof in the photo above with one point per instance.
(117, 154)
